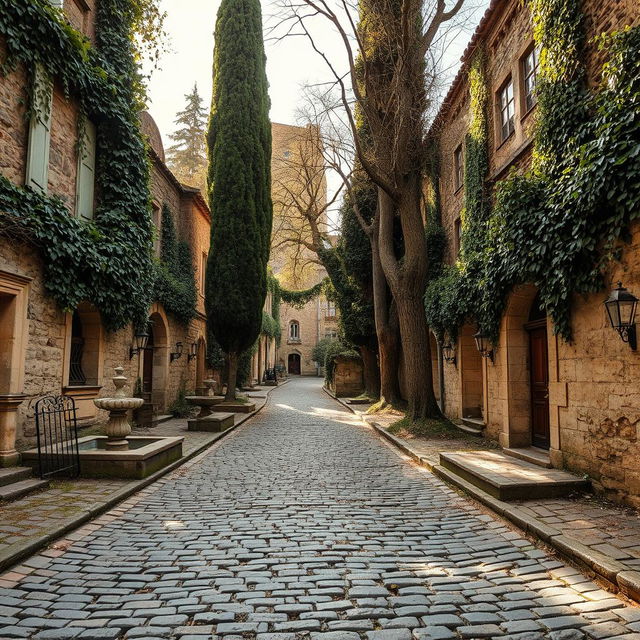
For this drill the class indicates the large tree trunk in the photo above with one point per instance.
(386, 330)
(232, 375)
(371, 371)
(407, 280)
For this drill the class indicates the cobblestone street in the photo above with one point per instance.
(303, 524)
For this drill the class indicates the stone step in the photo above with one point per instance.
(235, 407)
(156, 420)
(534, 455)
(14, 474)
(213, 423)
(22, 488)
(472, 425)
(508, 478)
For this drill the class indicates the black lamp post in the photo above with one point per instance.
(193, 351)
(484, 345)
(621, 308)
(449, 353)
(174, 355)
(141, 338)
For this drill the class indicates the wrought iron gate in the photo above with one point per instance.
(57, 432)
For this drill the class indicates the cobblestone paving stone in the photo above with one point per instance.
(43, 511)
(303, 524)
(606, 527)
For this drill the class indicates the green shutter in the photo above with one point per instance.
(37, 173)
(86, 173)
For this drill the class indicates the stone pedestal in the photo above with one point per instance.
(9, 403)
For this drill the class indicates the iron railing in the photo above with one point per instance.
(57, 432)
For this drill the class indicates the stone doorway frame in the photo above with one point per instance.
(512, 359)
(14, 335)
(471, 373)
(159, 324)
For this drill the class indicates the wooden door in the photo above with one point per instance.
(294, 364)
(539, 382)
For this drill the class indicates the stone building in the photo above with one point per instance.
(45, 349)
(298, 170)
(578, 403)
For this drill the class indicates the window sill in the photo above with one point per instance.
(526, 114)
(503, 142)
(294, 341)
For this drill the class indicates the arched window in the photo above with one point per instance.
(84, 352)
(294, 330)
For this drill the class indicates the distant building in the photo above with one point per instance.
(297, 266)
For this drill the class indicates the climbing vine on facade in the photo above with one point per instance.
(106, 261)
(175, 284)
(559, 225)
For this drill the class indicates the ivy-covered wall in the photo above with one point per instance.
(105, 261)
(561, 220)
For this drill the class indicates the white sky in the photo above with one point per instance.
(291, 63)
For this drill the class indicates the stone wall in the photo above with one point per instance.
(594, 402)
(43, 365)
(347, 377)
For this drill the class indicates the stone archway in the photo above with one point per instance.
(294, 364)
(471, 379)
(156, 361)
(514, 361)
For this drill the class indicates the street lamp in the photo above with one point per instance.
(193, 352)
(174, 355)
(621, 308)
(484, 345)
(141, 338)
(449, 353)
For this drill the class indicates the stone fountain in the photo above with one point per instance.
(118, 454)
(206, 419)
(118, 427)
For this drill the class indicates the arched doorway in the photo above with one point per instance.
(293, 364)
(470, 363)
(538, 375)
(524, 363)
(154, 364)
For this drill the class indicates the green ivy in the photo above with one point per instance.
(106, 261)
(560, 224)
(175, 284)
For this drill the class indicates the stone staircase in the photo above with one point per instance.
(506, 477)
(16, 482)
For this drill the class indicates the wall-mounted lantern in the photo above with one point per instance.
(193, 351)
(174, 355)
(449, 353)
(141, 339)
(621, 307)
(484, 345)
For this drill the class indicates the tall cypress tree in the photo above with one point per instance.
(239, 140)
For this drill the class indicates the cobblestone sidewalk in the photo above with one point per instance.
(38, 514)
(605, 527)
(303, 524)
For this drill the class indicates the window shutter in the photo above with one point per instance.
(37, 174)
(86, 173)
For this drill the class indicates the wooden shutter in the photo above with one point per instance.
(86, 172)
(37, 175)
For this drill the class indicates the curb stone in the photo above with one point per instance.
(12, 554)
(615, 574)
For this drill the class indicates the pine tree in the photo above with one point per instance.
(187, 157)
(239, 142)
